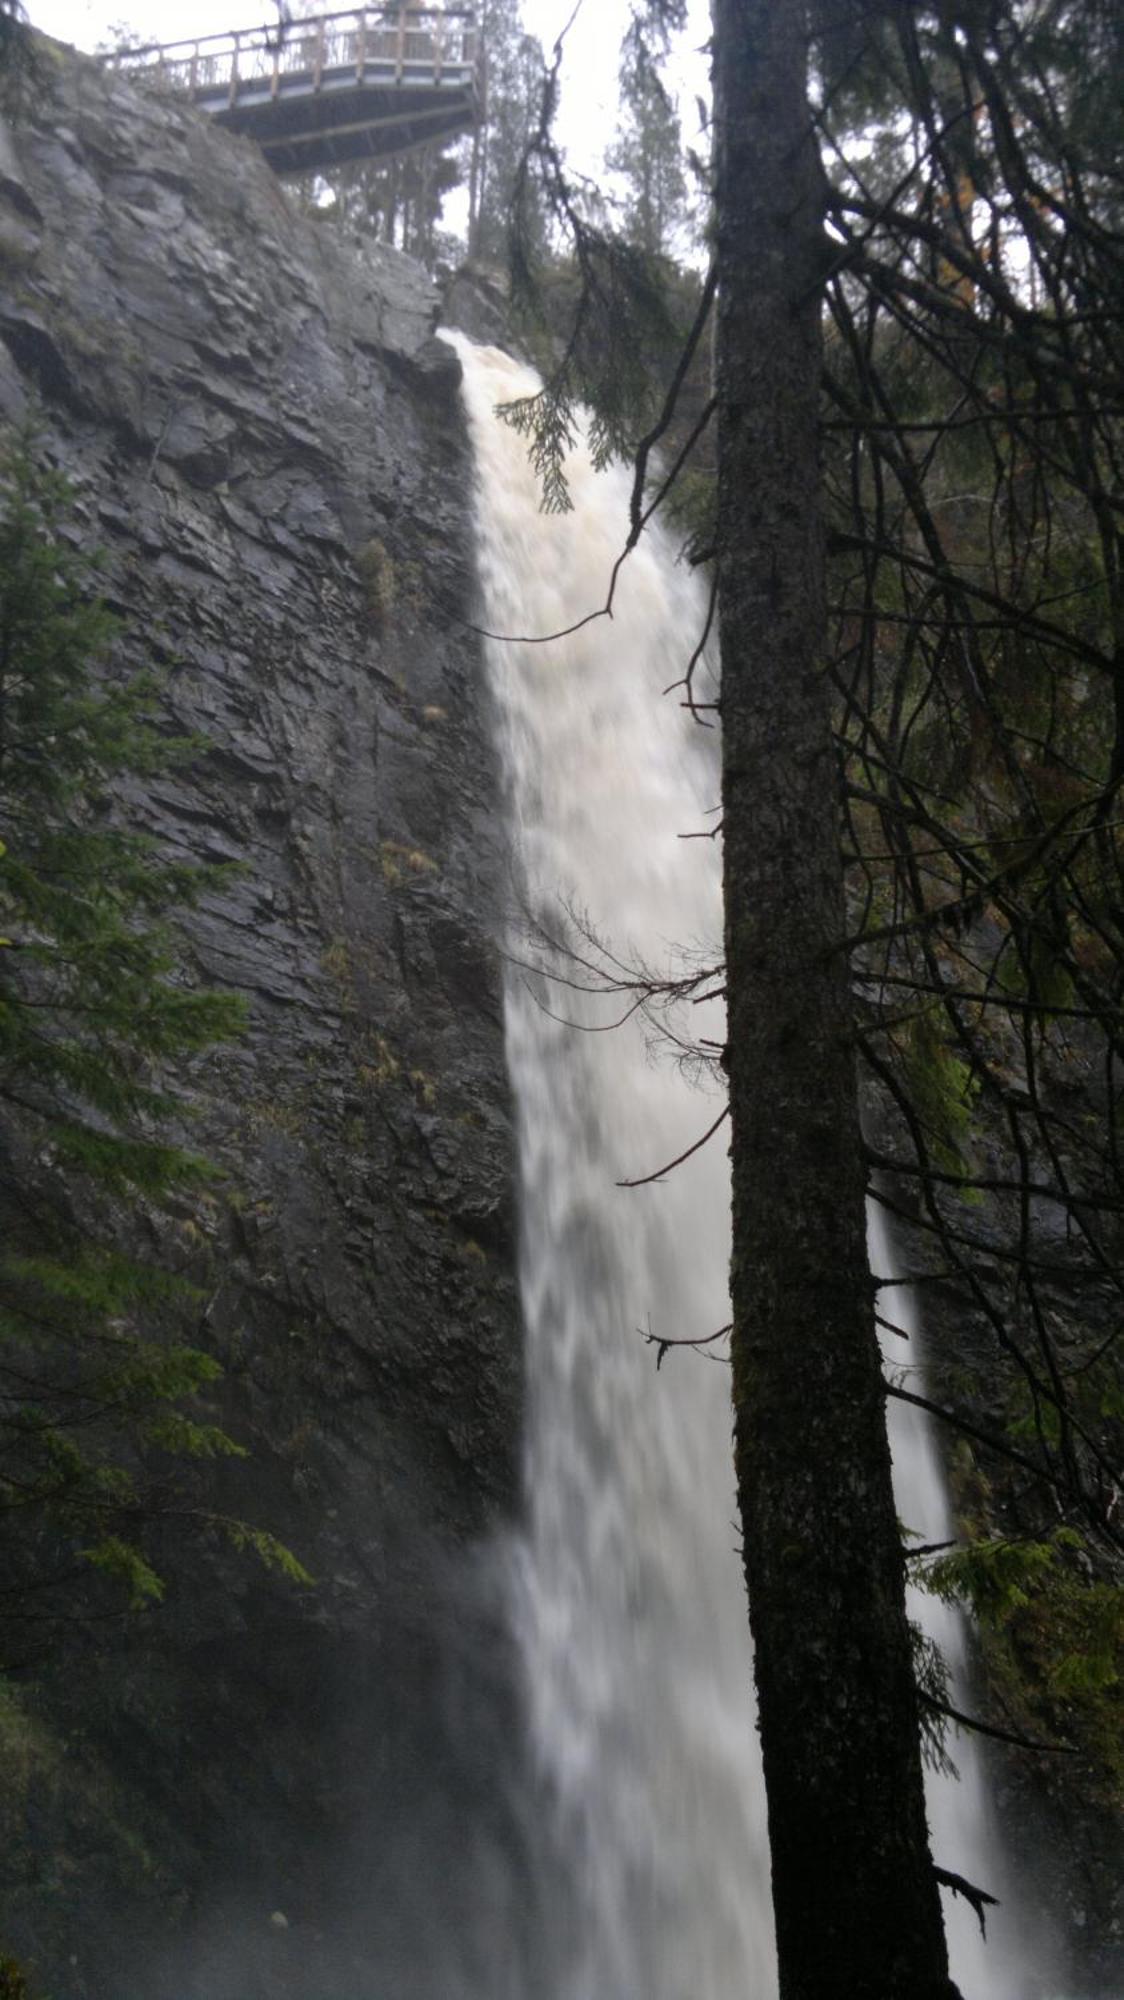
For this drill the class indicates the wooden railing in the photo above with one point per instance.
(394, 44)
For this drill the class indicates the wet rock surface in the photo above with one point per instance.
(263, 1789)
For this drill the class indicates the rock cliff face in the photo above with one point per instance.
(242, 1795)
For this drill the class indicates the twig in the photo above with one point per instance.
(990, 1729)
(646, 1180)
(663, 1342)
(980, 1900)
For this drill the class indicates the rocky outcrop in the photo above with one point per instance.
(260, 1789)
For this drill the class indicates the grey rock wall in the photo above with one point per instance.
(263, 1790)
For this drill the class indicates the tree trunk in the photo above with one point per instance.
(856, 1901)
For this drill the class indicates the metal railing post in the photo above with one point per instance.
(234, 70)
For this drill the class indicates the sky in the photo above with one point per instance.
(589, 73)
(588, 78)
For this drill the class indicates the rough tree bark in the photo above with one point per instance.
(856, 1901)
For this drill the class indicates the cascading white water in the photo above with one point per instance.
(629, 1600)
(1009, 1965)
(630, 1604)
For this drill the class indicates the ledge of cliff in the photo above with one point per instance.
(259, 1789)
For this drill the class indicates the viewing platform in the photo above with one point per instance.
(330, 88)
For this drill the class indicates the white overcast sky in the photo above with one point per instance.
(589, 75)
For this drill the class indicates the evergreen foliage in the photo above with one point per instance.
(100, 1393)
(647, 151)
(1053, 1634)
(628, 321)
(513, 95)
(398, 200)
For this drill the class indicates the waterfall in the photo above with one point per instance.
(961, 1822)
(630, 1601)
(626, 1584)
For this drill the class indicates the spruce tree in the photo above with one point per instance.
(647, 151)
(512, 107)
